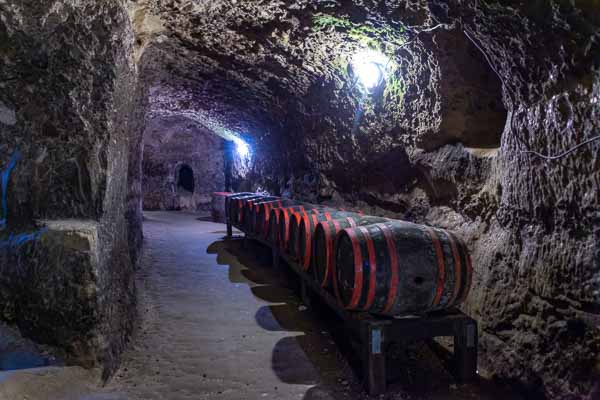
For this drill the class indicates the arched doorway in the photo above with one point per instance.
(185, 179)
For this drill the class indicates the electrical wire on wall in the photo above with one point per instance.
(528, 151)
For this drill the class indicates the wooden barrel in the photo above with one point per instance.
(253, 212)
(237, 207)
(303, 236)
(293, 249)
(242, 205)
(242, 208)
(272, 233)
(398, 268)
(248, 213)
(229, 199)
(323, 256)
(262, 214)
(247, 205)
(295, 220)
(285, 219)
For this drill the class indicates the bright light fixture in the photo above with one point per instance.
(242, 147)
(370, 67)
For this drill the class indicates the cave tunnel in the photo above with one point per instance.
(185, 178)
(201, 199)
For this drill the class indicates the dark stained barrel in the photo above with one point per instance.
(302, 237)
(323, 256)
(228, 201)
(272, 233)
(242, 210)
(398, 268)
(262, 213)
(236, 207)
(254, 214)
(292, 244)
(285, 220)
(245, 207)
(248, 213)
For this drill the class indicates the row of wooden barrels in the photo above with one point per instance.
(371, 264)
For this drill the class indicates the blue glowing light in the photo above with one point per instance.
(241, 147)
(5, 176)
(13, 241)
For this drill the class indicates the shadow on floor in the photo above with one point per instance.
(322, 354)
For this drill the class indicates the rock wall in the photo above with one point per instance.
(475, 88)
(447, 141)
(171, 144)
(67, 103)
(532, 224)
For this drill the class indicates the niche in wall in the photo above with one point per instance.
(183, 165)
(185, 179)
(472, 107)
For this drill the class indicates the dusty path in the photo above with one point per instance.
(214, 327)
(217, 323)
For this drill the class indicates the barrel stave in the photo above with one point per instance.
(323, 243)
(306, 231)
(285, 219)
(399, 268)
(231, 197)
(238, 208)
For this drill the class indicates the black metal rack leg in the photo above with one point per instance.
(305, 293)
(372, 338)
(465, 352)
(371, 334)
(229, 231)
(276, 258)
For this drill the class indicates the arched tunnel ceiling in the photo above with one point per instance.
(278, 72)
(261, 67)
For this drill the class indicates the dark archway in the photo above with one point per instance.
(185, 179)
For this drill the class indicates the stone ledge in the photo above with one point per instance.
(55, 290)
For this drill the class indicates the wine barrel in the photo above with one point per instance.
(246, 208)
(398, 268)
(262, 214)
(253, 213)
(323, 256)
(236, 207)
(228, 201)
(272, 233)
(303, 236)
(295, 220)
(285, 219)
(248, 213)
(294, 230)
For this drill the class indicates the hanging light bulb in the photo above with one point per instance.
(370, 67)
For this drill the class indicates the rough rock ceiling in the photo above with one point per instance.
(508, 76)
(255, 65)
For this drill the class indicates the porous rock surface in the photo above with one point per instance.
(473, 86)
(68, 81)
(476, 85)
(171, 144)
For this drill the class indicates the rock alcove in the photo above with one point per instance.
(103, 99)
(185, 179)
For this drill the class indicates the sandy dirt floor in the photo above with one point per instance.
(216, 322)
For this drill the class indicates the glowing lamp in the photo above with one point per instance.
(370, 67)
(241, 147)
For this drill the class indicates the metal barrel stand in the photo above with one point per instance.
(374, 334)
